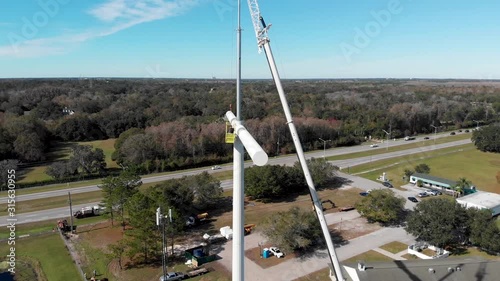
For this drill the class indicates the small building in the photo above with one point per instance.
(199, 255)
(433, 269)
(432, 181)
(67, 111)
(482, 200)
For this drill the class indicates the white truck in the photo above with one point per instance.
(88, 211)
(227, 232)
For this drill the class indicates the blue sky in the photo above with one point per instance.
(197, 39)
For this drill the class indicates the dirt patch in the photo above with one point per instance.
(354, 228)
(101, 235)
(254, 255)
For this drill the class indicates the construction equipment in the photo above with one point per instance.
(63, 226)
(248, 228)
(196, 219)
(261, 30)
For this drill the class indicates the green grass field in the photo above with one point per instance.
(409, 145)
(62, 151)
(394, 247)
(370, 256)
(50, 254)
(108, 146)
(450, 163)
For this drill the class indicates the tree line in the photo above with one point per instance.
(184, 118)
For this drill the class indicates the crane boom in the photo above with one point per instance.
(263, 43)
(258, 24)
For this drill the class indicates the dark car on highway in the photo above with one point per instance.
(388, 184)
(413, 199)
(426, 138)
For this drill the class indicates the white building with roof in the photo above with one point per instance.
(482, 200)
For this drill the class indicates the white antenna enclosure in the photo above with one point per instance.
(258, 155)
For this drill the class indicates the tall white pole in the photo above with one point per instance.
(238, 264)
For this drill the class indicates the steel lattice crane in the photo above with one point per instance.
(263, 43)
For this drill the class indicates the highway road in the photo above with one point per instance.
(287, 160)
(227, 184)
(62, 212)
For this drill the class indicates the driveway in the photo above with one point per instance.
(295, 268)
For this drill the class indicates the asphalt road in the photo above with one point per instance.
(227, 184)
(288, 160)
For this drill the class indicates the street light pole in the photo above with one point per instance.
(388, 135)
(435, 132)
(324, 146)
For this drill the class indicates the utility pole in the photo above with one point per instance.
(278, 149)
(70, 211)
(435, 133)
(171, 229)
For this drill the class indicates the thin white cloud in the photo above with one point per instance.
(113, 15)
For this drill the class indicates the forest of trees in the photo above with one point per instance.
(165, 124)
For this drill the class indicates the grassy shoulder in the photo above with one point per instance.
(49, 253)
(52, 202)
(450, 163)
(42, 227)
(410, 145)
